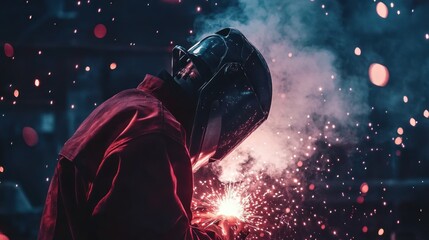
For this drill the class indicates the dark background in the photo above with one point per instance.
(140, 36)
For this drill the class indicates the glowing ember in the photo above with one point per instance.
(358, 51)
(380, 231)
(37, 82)
(398, 140)
(30, 136)
(113, 66)
(16, 93)
(382, 10)
(426, 113)
(400, 131)
(100, 31)
(364, 229)
(413, 122)
(378, 74)
(8, 50)
(1, 169)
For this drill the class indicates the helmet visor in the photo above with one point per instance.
(238, 106)
(211, 51)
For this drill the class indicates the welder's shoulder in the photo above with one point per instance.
(149, 115)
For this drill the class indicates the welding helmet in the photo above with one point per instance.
(230, 82)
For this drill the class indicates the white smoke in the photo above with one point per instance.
(307, 103)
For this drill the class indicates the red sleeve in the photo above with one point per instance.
(148, 194)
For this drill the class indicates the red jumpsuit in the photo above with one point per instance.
(124, 174)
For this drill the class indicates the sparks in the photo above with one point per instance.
(257, 203)
(232, 204)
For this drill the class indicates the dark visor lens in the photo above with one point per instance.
(211, 50)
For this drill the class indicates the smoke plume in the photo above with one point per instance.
(308, 101)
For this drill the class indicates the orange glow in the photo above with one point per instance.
(382, 10)
(100, 31)
(16, 93)
(426, 113)
(398, 140)
(378, 74)
(413, 122)
(113, 66)
(358, 51)
(364, 229)
(311, 187)
(400, 131)
(37, 82)
(364, 187)
(8, 50)
(380, 231)
(405, 99)
(30, 136)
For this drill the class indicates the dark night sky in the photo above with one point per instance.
(319, 81)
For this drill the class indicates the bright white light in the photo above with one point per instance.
(232, 204)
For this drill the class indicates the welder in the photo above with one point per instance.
(127, 172)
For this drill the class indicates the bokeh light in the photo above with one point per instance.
(400, 131)
(380, 231)
(364, 188)
(3, 237)
(100, 31)
(398, 140)
(113, 66)
(16, 93)
(358, 51)
(378, 74)
(413, 122)
(382, 10)
(8, 50)
(360, 199)
(36, 82)
(30, 136)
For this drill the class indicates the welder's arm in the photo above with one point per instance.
(150, 194)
